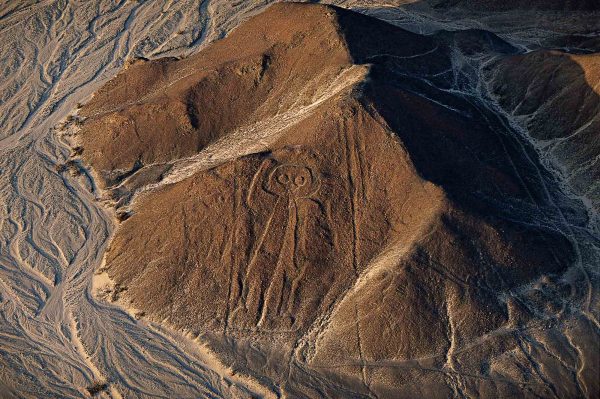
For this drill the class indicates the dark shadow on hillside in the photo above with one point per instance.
(551, 92)
(466, 135)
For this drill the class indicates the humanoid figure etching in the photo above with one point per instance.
(276, 257)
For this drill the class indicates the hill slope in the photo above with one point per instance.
(556, 95)
(329, 211)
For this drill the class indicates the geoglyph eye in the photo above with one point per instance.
(283, 178)
(290, 179)
(300, 180)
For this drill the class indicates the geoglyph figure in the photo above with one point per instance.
(295, 187)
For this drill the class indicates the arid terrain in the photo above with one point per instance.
(386, 199)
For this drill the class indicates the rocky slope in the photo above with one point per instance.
(556, 96)
(513, 5)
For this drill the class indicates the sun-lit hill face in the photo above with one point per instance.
(323, 187)
(591, 69)
(155, 112)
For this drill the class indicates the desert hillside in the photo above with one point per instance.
(557, 96)
(326, 195)
(315, 199)
(514, 5)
